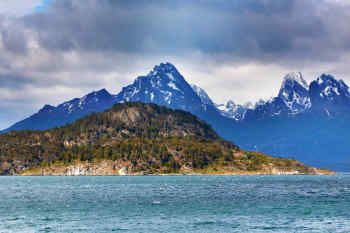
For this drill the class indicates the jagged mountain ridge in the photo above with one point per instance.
(67, 112)
(164, 85)
(233, 110)
(325, 95)
(293, 98)
(329, 95)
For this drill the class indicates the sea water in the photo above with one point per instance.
(175, 204)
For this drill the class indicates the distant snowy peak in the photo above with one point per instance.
(232, 110)
(330, 95)
(294, 93)
(325, 94)
(202, 95)
(293, 98)
(238, 112)
(230, 106)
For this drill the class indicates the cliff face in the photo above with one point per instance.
(134, 139)
(79, 168)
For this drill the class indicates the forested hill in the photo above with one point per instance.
(139, 138)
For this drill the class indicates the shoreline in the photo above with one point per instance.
(115, 168)
(193, 174)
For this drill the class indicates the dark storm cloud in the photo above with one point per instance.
(15, 81)
(14, 40)
(258, 30)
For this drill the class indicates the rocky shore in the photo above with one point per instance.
(118, 168)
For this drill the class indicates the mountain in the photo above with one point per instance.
(294, 93)
(330, 96)
(164, 85)
(135, 138)
(304, 122)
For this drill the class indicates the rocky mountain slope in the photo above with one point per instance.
(135, 138)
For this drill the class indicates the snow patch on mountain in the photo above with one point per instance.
(92, 100)
(232, 110)
(295, 77)
(330, 88)
(202, 95)
(173, 86)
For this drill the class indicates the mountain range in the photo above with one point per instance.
(304, 121)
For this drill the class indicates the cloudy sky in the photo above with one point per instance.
(52, 51)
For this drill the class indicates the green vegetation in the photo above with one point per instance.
(152, 139)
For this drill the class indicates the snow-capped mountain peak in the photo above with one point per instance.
(330, 87)
(331, 94)
(164, 85)
(295, 78)
(163, 75)
(232, 110)
(293, 98)
(294, 93)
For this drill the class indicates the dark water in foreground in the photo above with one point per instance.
(175, 204)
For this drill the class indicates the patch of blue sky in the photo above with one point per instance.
(43, 6)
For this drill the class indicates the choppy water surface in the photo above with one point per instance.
(175, 204)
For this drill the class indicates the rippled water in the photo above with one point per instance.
(175, 204)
